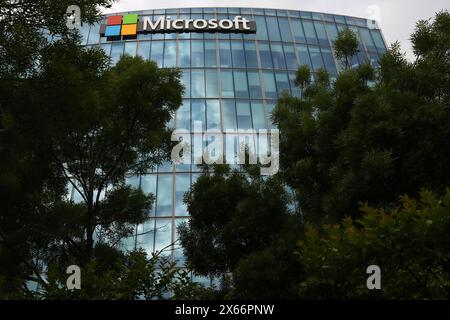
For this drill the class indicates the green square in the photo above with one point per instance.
(130, 18)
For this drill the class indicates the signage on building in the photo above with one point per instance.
(129, 25)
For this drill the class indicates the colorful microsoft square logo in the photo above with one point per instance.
(121, 25)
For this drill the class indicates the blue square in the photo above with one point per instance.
(112, 31)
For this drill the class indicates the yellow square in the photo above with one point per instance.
(129, 29)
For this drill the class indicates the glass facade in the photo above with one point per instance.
(232, 80)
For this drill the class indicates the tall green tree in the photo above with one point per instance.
(345, 46)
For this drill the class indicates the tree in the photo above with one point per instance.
(235, 217)
(409, 243)
(345, 46)
(372, 134)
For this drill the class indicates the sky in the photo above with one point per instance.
(396, 18)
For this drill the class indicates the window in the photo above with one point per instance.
(184, 53)
(285, 29)
(182, 185)
(197, 56)
(294, 89)
(210, 54)
(254, 85)
(274, 31)
(198, 114)
(212, 89)
(240, 84)
(146, 236)
(332, 31)
(238, 54)
(144, 49)
(278, 56)
(244, 118)
(116, 52)
(183, 115)
(367, 39)
(229, 114)
(282, 81)
(329, 61)
(316, 58)
(225, 54)
(148, 185)
(250, 55)
(379, 43)
(186, 81)
(303, 55)
(264, 54)
(197, 83)
(164, 195)
(170, 54)
(157, 52)
(212, 114)
(94, 34)
(226, 81)
(297, 29)
(321, 33)
(291, 59)
(261, 29)
(309, 32)
(259, 121)
(163, 236)
(270, 89)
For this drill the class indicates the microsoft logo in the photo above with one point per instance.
(117, 26)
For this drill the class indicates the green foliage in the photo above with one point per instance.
(410, 244)
(345, 46)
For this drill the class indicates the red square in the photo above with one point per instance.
(114, 20)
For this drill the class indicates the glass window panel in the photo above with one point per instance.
(170, 54)
(374, 59)
(148, 185)
(306, 15)
(297, 30)
(184, 53)
(84, 32)
(254, 85)
(270, 107)
(144, 49)
(291, 58)
(229, 114)
(261, 29)
(163, 236)
(186, 82)
(106, 47)
(285, 29)
(164, 195)
(183, 115)
(198, 113)
(259, 121)
(321, 33)
(197, 55)
(157, 52)
(212, 114)
(270, 12)
(282, 82)
(270, 89)
(332, 31)
(303, 55)
(197, 83)
(210, 54)
(237, 48)
(339, 19)
(294, 89)
(244, 118)
(212, 89)
(130, 48)
(309, 32)
(146, 236)
(182, 185)
(250, 55)
(367, 39)
(328, 59)
(274, 31)
(316, 58)
(225, 54)
(94, 34)
(278, 56)
(240, 84)
(265, 56)
(379, 43)
(116, 52)
(226, 81)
